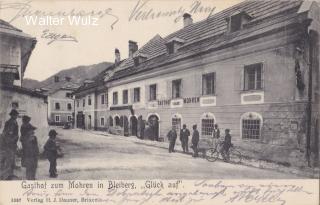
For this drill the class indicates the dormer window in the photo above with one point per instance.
(237, 20)
(139, 58)
(174, 44)
(170, 48)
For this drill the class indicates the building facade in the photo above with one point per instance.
(250, 74)
(91, 103)
(15, 50)
(60, 101)
(252, 68)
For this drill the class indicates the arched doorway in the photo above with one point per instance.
(153, 121)
(125, 126)
(134, 125)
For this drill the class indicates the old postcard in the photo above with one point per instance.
(159, 102)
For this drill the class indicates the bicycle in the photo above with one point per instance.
(213, 153)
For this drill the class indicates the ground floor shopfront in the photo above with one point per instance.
(273, 131)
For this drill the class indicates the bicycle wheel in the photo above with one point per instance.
(234, 156)
(212, 154)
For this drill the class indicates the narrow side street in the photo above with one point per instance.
(93, 156)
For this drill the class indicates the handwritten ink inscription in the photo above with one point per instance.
(54, 37)
(163, 192)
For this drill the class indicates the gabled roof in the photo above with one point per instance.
(61, 85)
(212, 33)
(27, 46)
(153, 48)
(95, 81)
(7, 28)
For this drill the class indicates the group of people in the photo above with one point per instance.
(30, 149)
(184, 138)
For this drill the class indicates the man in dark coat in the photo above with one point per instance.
(226, 145)
(8, 146)
(172, 136)
(195, 141)
(25, 127)
(184, 138)
(30, 152)
(51, 150)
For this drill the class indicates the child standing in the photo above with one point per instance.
(51, 150)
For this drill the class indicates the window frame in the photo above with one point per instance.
(153, 97)
(170, 47)
(173, 84)
(102, 124)
(102, 99)
(232, 24)
(254, 117)
(125, 98)
(68, 95)
(207, 116)
(136, 98)
(68, 106)
(57, 106)
(115, 99)
(55, 118)
(213, 86)
(246, 77)
(68, 118)
(89, 100)
(83, 102)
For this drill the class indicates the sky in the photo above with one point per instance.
(110, 24)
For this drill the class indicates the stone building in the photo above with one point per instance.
(15, 50)
(252, 68)
(245, 68)
(91, 102)
(60, 100)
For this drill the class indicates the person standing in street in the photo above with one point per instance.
(215, 134)
(226, 145)
(8, 145)
(30, 152)
(172, 136)
(24, 131)
(195, 141)
(184, 138)
(51, 150)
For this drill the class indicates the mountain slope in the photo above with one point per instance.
(77, 74)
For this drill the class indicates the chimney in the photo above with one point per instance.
(117, 56)
(133, 47)
(187, 20)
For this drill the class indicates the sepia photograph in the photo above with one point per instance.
(161, 91)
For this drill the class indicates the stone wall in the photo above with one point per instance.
(34, 107)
